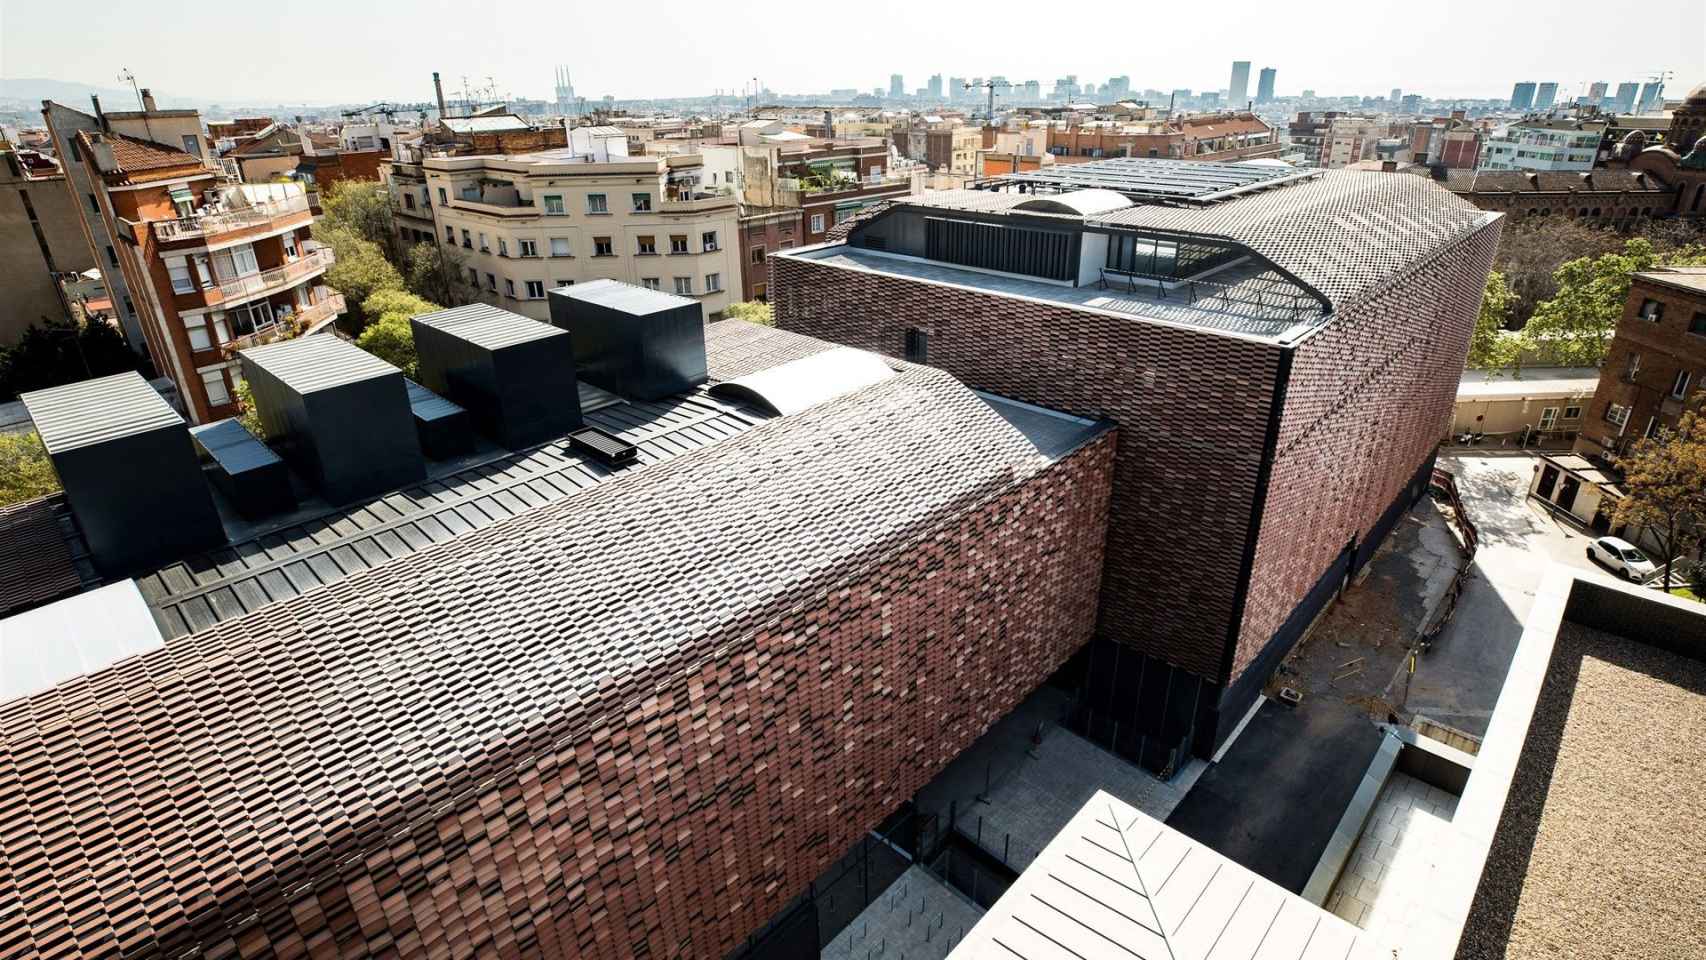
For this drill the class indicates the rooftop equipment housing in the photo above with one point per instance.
(643, 344)
(444, 429)
(514, 375)
(247, 471)
(338, 413)
(129, 471)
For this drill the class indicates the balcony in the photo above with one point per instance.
(698, 203)
(213, 223)
(269, 281)
(291, 326)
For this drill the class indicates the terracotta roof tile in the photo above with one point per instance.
(141, 160)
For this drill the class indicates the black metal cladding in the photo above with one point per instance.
(514, 375)
(244, 469)
(445, 429)
(129, 470)
(608, 450)
(339, 414)
(639, 343)
(1003, 247)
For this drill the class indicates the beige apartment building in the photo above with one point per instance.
(525, 223)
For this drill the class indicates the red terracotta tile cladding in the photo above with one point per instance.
(1367, 399)
(259, 789)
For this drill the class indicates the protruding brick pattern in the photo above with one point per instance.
(630, 723)
(1192, 409)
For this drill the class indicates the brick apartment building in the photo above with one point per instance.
(538, 705)
(1656, 363)
(207, 266)
(1280, 348)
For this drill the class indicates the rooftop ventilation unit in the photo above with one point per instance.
(643, 344)
(610, 450)
(129, 471)
(338, 413)
(515, 375)
(251, 476)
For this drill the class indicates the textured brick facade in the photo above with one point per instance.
(1192, 408)
(632, 723)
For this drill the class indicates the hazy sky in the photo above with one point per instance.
(315, 51)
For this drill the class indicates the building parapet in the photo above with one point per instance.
(208, 224)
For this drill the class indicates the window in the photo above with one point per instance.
(535, 289)
(1632, 369)
(76, 154)
(182, 281)
(243, 260)
(529, 248)
(484, 248)
(1653, 428)
(917, 345)
(1652, 310)
(554, 205)
(565, 283)
(467, 240)
(817, 223)
(1548, 417)
(474, 277)
(1697, 326)
(757, 254)
(713, 282)
(408, 201)
(442, 199)
(112, 255)
(503, 247)
(559, 246)
(196, 328)
(192, 144)
(1617, 413)
(491, 283)
(1572, 413)
(290, 252)
(650, 283)
(677, 244)
(470, 191)
(601, 247)
(214, 381)
(94, 204)
(684, 286)
(708, 240)
(449, 234)
(648, 246)
(509, 287)
(595, 203)
(642, 203)
(1679, 387)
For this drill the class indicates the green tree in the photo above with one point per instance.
(400, 302)
(360, 206)
(247, 415)
(25, 470)
(438, 274)
(752, 311)
(1491, 347)
(1575, 326)
(1664, 482)
(56, 352)
(391, 339)
(361, 268)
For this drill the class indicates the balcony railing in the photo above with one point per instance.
(287, 327)
(240, 288)
(208, 224)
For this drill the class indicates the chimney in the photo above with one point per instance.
(102, 117)
(148, 101)
(438, 89)
(639, 343)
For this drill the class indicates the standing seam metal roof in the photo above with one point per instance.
(95, 411)
(492, 328)
(307, 364)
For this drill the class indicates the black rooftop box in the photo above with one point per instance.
(443, 427)
(338, 413)
(251, 476)
(643, 344)
(129, 470)
(514, 375)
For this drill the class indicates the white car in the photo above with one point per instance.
(1622, 557)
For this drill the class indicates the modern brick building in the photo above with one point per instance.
(543, 706)
(1655, 365)
(1280, 348)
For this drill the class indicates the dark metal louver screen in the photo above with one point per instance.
(988, 246)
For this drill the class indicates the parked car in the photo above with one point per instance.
(1622, 558)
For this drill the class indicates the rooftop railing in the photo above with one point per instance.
(224, 221)
(240, 288)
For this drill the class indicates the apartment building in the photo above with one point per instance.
(1545, 143)
(210, 266)
(1212, 137)
(40, 239)
(524, 224)
(1281, 375)
(1655, 366)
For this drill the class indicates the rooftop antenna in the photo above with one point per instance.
(125, 76)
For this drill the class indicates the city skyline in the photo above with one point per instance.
(341, 65)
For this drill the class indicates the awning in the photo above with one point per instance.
(182, 195)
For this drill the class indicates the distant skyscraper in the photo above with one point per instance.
(1412, 103)
(1624, 102)
(935, 88)
(1545, 95)
(1397, 95)
(565, 92)
(1240, 86)
(957, 88)
(897, 85)
(1522, 96)
(1265, 85)
(1596, 92)
(1652, 97)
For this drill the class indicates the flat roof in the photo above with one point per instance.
(74, 636)
(492, 328)
(1540, 382)
(625, 297)
(1117, 884)
(307, 364)
(1692, 279)
(1159, 180)
(95, 411)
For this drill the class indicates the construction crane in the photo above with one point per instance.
(387, 110)
(990, 85)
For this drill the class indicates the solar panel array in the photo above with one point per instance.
(1150, 179)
